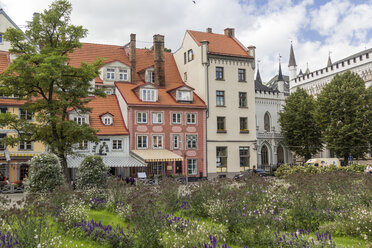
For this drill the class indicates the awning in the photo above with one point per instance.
(161, 155)
(74, 162)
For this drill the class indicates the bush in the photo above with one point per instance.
(45, 174)
(92, 173)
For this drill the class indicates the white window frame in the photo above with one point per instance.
(107, 120)
(29, 116)
(155, 141)
(150, 77)
(149, 95)
(117, 144)
(142, 115)
(189, 118)
(80, 120)
(176, 141)
(25, 144)
(83, 146)
(110, 73)
(178, 119)
(191, 138)
(123, 74)
(142, 136)
(184, 95)
(156, 116)
(193, 164)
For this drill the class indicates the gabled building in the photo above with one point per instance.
(221, 71)
(165, 118)
(271, 148)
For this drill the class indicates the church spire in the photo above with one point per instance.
(258, 77)
(292, 60)
(280, 75)
(329, 59)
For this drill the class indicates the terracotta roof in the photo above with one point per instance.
(220, 44)
(89, 53)
(4, 60)
(11, 102)
(104, 105)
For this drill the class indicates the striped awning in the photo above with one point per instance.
(74, 162)
(161, 155)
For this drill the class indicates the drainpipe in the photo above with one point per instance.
(205, 62)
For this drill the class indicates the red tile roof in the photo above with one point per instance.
(11, 102)
(220, 43)
(4, 60)
(104, 105)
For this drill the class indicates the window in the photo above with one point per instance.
(244, 158)
(110, 73)
(149, 95)
(219, 73)
(2, 136)
(79, 120)
(150, 76)
(184, 95)
(176, 118)
(83, 145)
(192, 166)
(123, 75)
(241, 75)
(220, 98)
(3, 110)
(1, 38)
(191, 141)
(157, 117)
(190, 55)
(141, 117)
(242, 99)
(107, 120)
(142, 142)
(176, 141)
(267, 122)
(157, 142)
(25, 145)
(184, 58)
(25, 114)
(185, 76)
(117, 144)
(191, 118)
(244, 124)
(221, 158)
(221, 124)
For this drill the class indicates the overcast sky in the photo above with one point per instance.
(316, 27)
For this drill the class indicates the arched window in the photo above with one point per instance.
(280, 153)
(264, 155)
(267, 122)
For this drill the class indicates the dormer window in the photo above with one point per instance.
(79, 120)
(184, 95)
(110, 73)
(150, 76)
(123, 75)
(149, 95)
(107, 119)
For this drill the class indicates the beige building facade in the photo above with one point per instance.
(221, 70)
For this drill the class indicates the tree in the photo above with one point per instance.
(92, 173)
(344, 115)
(45, 174)
(41, 75)
(300, 130)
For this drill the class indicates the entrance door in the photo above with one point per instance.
(264, 155)
(178, 167)
(280, 153)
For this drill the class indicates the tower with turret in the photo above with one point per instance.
(292, 66)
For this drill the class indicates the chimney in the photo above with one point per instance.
(132, 56)
(252, 52)
(159, 69)
(230, 32)
(209, 30)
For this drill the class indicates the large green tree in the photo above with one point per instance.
(42, 77)
(299, 128)
(344, 115)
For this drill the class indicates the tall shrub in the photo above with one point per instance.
(92, 173)
(45, 174)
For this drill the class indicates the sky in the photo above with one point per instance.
(316, 28)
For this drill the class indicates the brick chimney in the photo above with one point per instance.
(229, 32)
(209, 30)
(132, 56)
(159, 68)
